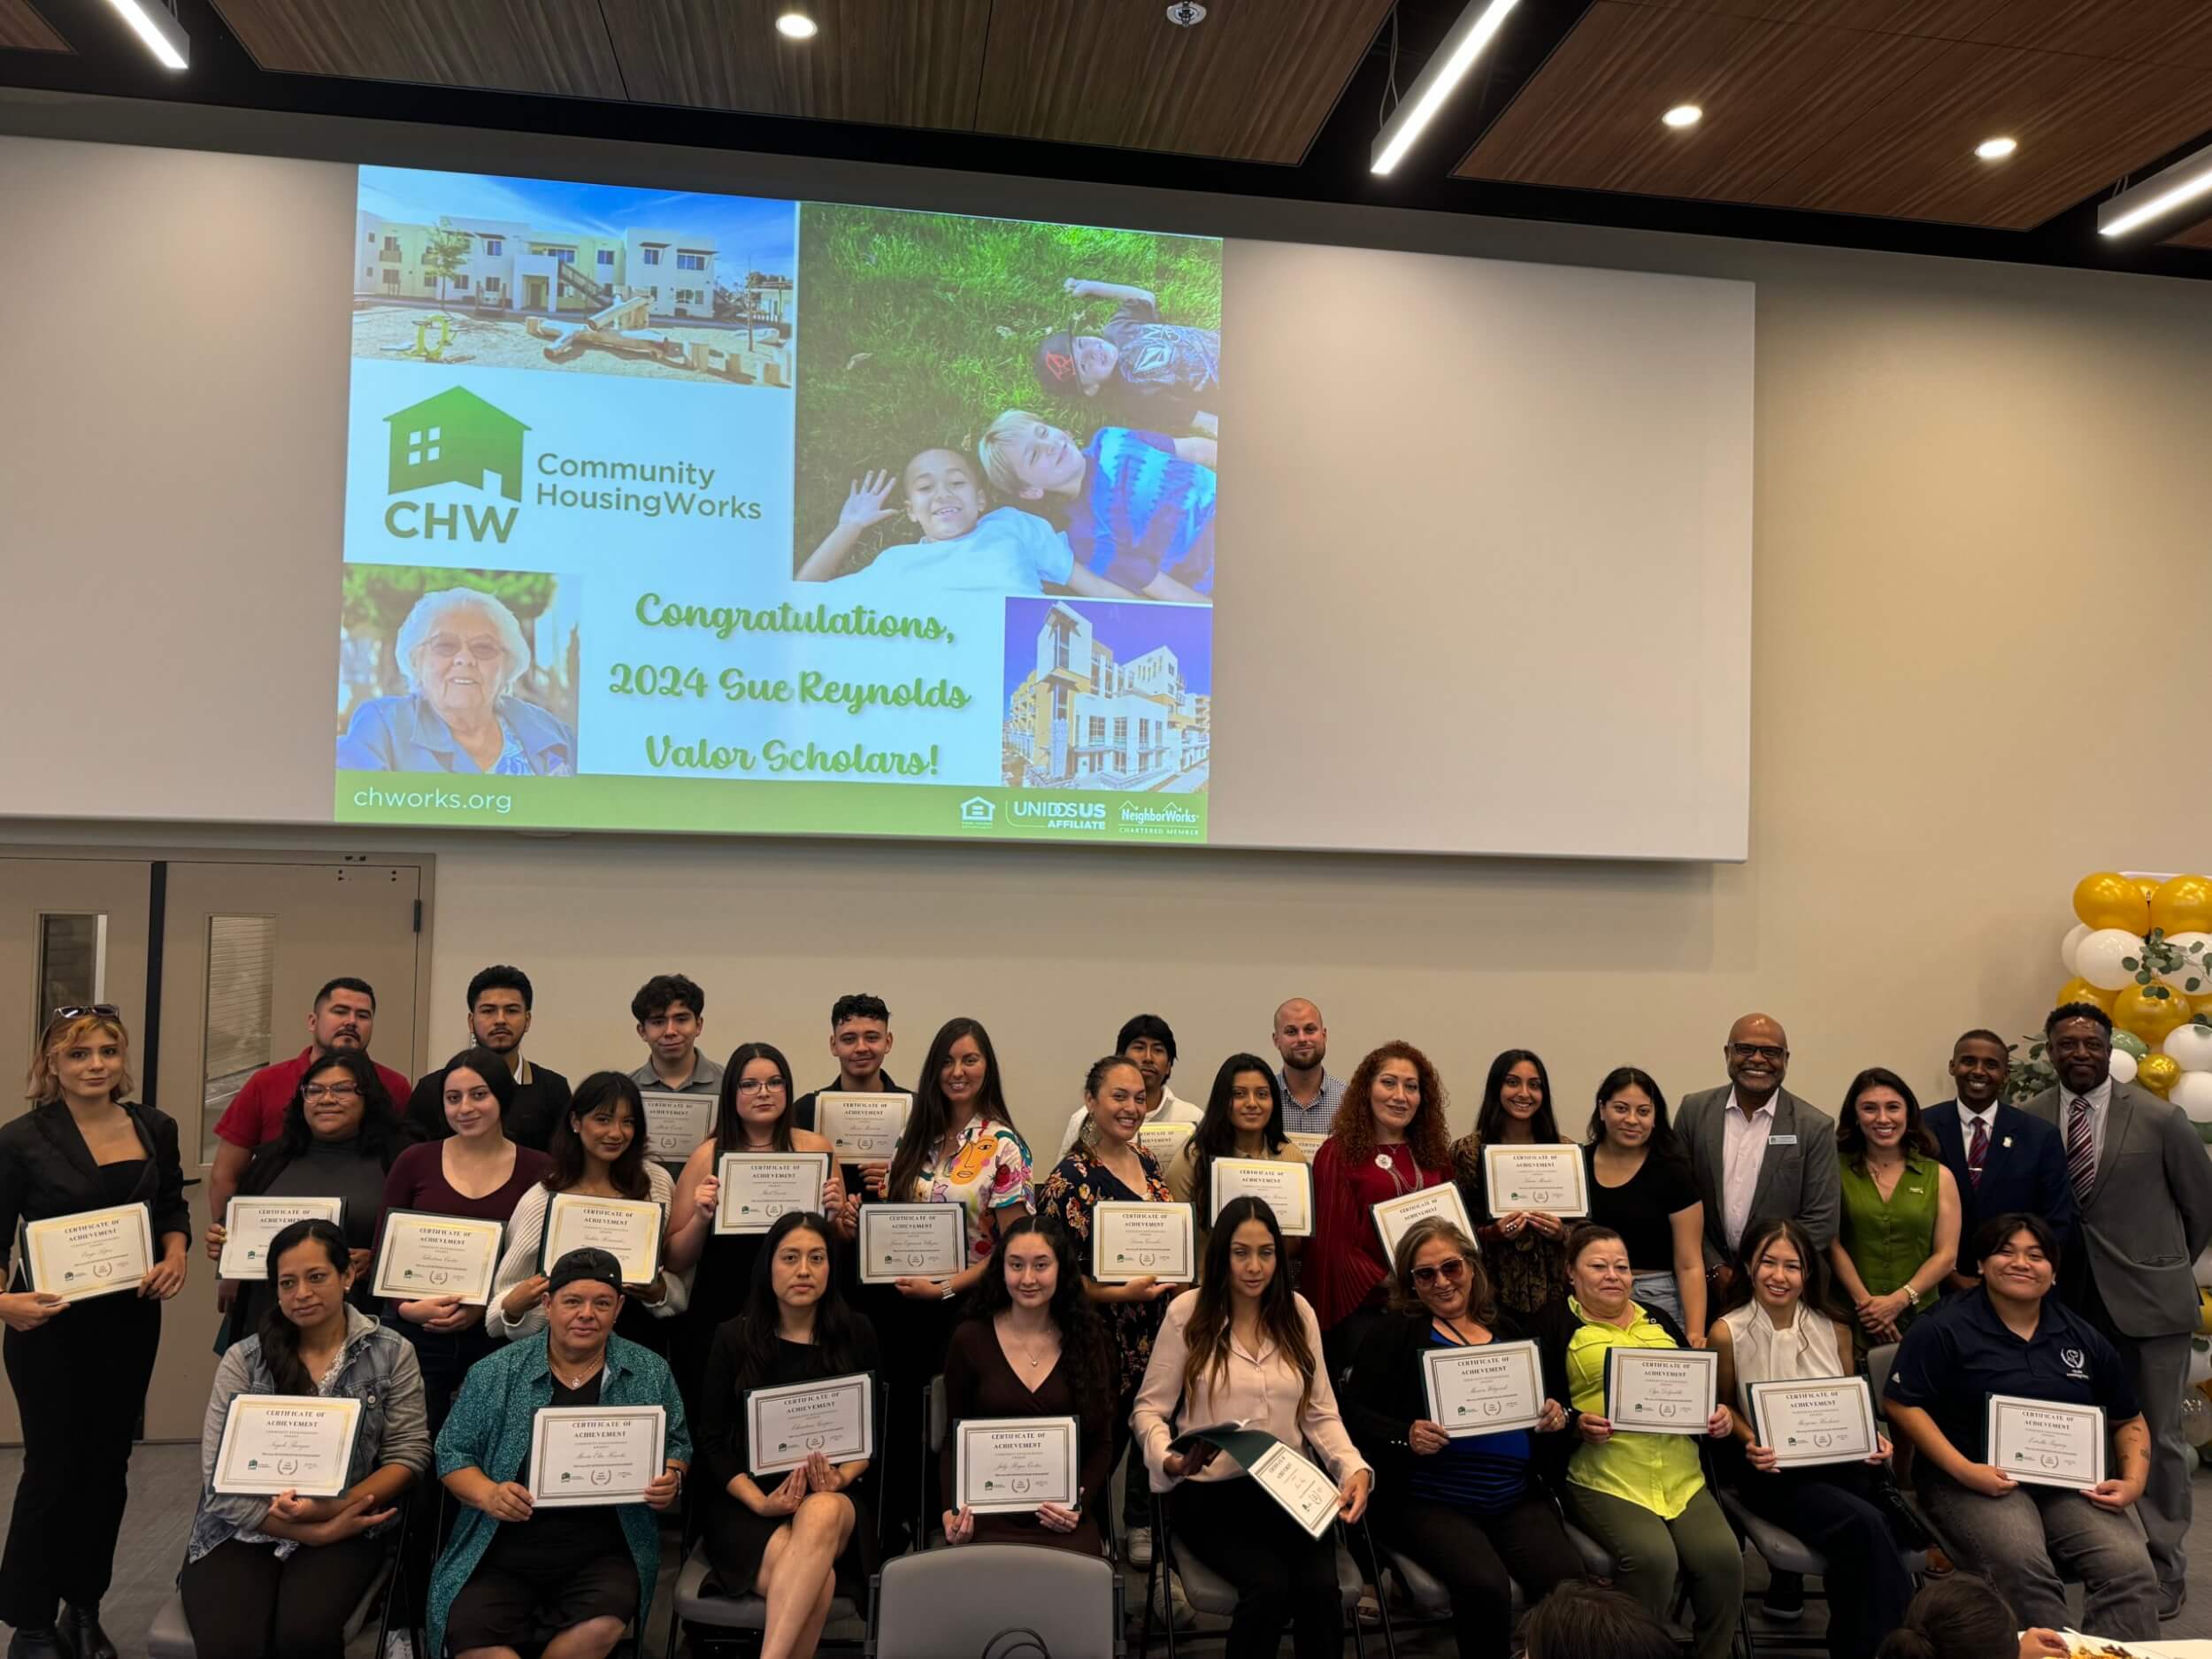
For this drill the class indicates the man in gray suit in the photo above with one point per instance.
(2143, 1202)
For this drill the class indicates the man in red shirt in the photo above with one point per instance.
(342, 1018)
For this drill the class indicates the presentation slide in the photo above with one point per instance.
(705, 512)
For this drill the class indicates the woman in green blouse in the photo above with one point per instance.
(1898, 1236)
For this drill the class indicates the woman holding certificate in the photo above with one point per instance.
(269, 1574)
(1641, 1492)
(1244, 1348)
(1467, 1505)
(1781, 1328)
(2019, 1409)
(1388, 1140)
(1243, 1119)
(1031, 1348)
(1526, 1248)
(1898, 1236)
(794, 1536)
(598, 1152)
(95, 1181)
(1640, 1185)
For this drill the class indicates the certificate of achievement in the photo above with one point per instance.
(1661, 1390)
(676, 1124)
(627, 1229)
(92, 1253)
(248, 1224)
(1164, 1141)
(427, 1254)
(583, 1455)
(1394, 1216)
(1134, 1241)
(1482, 1389)
(1309, 1144)
(2042, 1443)
(863, 1128)
(835, 1417)
(1299, 1485)
(757, 1187)
(1010, 1465)
(275, 1443)
(1288, 1189)
(912, 1241)
(1547, 1178)
(1825, 1420)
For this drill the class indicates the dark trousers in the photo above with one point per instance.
(1282, 1576)
(79, 1382)
(243, 1602)
(1479, 1558)
(1833, 1509)
(913, 1336)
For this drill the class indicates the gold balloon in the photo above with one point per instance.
(2108, 899)
(2147, 886)
(2204, 1328)
(2079, 990)
(2158, 1073)
(2182, 905)
(2151, 1012)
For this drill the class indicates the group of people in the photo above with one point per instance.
(2041, 1250)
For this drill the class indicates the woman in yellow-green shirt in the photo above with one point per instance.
(1898, 1235)
(1643, 1496)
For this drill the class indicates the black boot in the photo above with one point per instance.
(39, 1644)
(82, 1626)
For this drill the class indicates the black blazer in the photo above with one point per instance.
(1382, 1396)
(2028, 1174)
(46, 1170)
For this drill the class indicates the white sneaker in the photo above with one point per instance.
(398, 1645)
(1136, 1547)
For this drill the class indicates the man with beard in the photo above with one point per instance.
(1309, 1094)
(2143, 1205)
(2002, 1160)
(1146, 1043)
(499, 1009)
(342, 1016)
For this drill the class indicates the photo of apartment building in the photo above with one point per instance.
(1080, 718)
(511, 266)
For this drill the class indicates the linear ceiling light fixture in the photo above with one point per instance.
(156, 25)
(2166, 191)
(1443, 72)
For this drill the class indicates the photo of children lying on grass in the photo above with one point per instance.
(1143, 371)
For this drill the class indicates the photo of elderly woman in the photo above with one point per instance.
(458, 672)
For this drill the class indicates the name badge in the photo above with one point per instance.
(1781, 1141)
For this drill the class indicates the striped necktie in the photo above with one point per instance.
(2081, 1152)
(1978, 1153)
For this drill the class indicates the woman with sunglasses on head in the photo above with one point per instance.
(1245, 1348)
(341, 1134)
(1640, 1185)
(598, 1150)
(1779, 1325)
(80, 1368)
(1470, 1509)
(1525, 1248)
(1243, 1119)
(1032, 1346)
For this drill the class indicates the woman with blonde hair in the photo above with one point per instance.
(80, 1368)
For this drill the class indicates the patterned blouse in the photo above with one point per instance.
(989, 1171)
(1067, 1196)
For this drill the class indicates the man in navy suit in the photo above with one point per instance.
(2002, 1159)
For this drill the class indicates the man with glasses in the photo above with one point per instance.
(499, 1006)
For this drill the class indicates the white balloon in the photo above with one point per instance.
(2193, 1093)
(2189, 1046)
(2198, 967)
(2075, 934)
(2098, 958)
(2123, 1066)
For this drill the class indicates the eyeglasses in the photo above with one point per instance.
(760, 1086)
(331, 1091)
(1451, 1271)
(1758, 1050)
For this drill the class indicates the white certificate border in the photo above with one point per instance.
(30, 1255)
(1434, 1358)
(860, 1242)
(1269, 1460)
(230, 1231)
(1704, 1357)
(722, 1195)
(409, 1292)
(1989, 1439)
(547, 1257)
(864, 1381)
(254, 1487)
(546, 1416)
(1099, 1217)
(1558, 1149)
(1287, 1168)
(1072, 1434)
(693, 1102)
(1176, 1134)
(1758, 1392)
(839, 1099)
(1418, 1195)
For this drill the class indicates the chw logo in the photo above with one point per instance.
(453, 438)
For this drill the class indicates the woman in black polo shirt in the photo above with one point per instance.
(2013, 1337)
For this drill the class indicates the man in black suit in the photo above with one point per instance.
(2002, 1159)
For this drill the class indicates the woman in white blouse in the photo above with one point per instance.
(1244, 1348)
(1784, 1328)
(599, 1150)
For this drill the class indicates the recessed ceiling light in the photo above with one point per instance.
(797, 25)
(1683, 115)
(1996, 148)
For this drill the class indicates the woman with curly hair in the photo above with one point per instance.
(1388, 1141)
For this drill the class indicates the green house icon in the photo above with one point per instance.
(456, 438)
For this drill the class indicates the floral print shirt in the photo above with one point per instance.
(1067, 1196)
(989, 1171)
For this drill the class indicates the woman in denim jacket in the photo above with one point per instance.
(276, 1578)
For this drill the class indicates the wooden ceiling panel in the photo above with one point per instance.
(888, 61)
(2175, 32)
(557, 47)
(1939, 19)
(23, 30)
(2195, 236)
(1254, 82)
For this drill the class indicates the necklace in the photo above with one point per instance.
(578, 1382)
(1388, 1165)
(1037, 1355)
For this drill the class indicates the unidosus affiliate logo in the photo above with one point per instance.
(454, 438)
